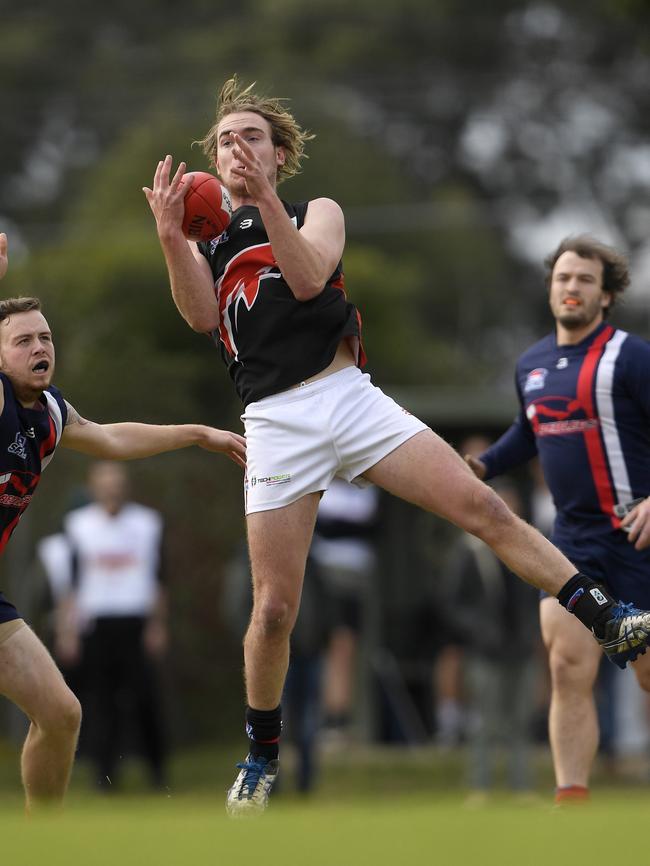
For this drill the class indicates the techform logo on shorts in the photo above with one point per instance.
(272, 480)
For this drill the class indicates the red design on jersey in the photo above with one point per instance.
(48, 445)
(16, 492)
(241, 281)
(593, 442)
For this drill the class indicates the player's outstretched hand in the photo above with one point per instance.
(639, 522)
(477, 466)
(4, 259)
(224, 442)
(166, 198)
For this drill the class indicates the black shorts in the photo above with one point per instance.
(7, 610)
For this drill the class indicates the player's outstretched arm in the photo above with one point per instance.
(308, 257)
(4, 258)
(189, 273)
(130, 440)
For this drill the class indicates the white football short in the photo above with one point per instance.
(297, 441)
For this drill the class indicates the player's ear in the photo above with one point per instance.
(280, 156)
(606, 300)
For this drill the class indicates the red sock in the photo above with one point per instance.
(571, 794)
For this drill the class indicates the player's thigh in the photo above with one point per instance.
(278, 544)
(31, 680)
(427, 472)
(572, 649)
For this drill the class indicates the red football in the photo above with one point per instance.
(207, 206)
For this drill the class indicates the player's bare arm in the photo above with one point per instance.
(130, 440)
(306, 257)
(639, 522)
(189, 273)
(4, 259)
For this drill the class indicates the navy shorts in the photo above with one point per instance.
(611, 560)
(7, 610)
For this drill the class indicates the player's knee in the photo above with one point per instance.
(569, 672)
(69, 714)
(274, 616)
(62, 717)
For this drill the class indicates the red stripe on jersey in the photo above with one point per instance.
(48, 445)
(593, 441)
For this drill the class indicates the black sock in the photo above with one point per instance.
(587, 600)
(263, 728)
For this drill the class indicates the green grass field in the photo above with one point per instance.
(386, 808)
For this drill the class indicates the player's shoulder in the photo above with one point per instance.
(536, 354)
(633, 343)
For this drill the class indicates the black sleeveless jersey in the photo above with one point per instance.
(28, 438)
(268, 339)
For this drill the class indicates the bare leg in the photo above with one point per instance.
(278, 543)
(426, 471)
(31, 680)
(339, 672)
(574, 658)
(641, 668)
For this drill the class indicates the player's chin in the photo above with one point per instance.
(43, 379)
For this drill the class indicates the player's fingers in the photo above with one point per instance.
(243, 145)
(643, 539)
(164, 171)
(238, 460)
(3, 244)
(148, 193)
(156, 176)
(178, 176)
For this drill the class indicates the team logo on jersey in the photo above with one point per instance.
(246, 224)
(17, 447)
(536, 379)
(562, 364)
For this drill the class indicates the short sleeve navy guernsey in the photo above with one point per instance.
(28, 438)
(268, 339)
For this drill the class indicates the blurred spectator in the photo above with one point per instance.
(343, 546)
(302, 696)
(113, 621)
(497, 614)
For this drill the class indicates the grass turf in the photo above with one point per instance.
(381, 808)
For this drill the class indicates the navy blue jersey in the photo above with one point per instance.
(28, 438)
(269, 340)
(585, 409)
